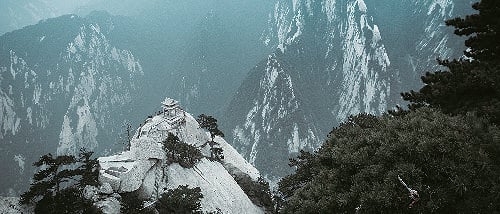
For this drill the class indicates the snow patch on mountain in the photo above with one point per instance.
(363, 89)
(437, 40)
(276, 104)
(329, 9)
(9, 121)
(445, 7)
(362, 6)
(280, 17)
(21, 161)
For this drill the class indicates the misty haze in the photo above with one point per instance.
(249, 106)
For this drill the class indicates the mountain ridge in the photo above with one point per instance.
(59, 93)
(335, 55)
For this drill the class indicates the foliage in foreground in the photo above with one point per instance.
(472, 83)
(179, 152)
(131, 203)
(210, 124)
(258, 191)
(448, 160)
(180, 200)
(57, 187)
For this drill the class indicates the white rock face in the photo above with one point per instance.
(10, 205)
(66, 90)
(219, 189)
(109, 205)
(144, 168)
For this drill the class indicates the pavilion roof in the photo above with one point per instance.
(169, 102)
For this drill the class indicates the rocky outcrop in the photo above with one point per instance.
(145, 169)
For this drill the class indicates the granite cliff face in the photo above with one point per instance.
(332, 59)
(63, 86)
(146, 170)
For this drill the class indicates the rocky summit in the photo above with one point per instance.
(146, 170)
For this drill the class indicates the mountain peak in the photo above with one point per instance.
(59, 81)
(145, 169)
(332, 59)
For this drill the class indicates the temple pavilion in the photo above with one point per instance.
(172, 112)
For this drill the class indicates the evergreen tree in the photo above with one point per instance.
(132, 204)
(89, 168)
(69, 200)
(471, 84)
(180, 200)
(483, 30)
(446, 159)
(179, 152)
(48, 180)
(54, 188)
(258, 191)
(210, 124)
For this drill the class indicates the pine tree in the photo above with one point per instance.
(131, 203)
(210, 124)
(180, 200)
(471, 84)
(89, 168)
(483, 30)
(179, 152)
(54, 189)
(446, 159)
(47, 181)
(216, 153)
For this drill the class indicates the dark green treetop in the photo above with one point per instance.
(180, 152)
(180, 200)
(210, 123)
(448, 160)
(473, 83)
(54, 188)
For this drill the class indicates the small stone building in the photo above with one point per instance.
(172, 112)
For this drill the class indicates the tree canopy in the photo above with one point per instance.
(54, 188)
(179, 152)
(210, 123)
(48, 180)
(471, 83)
(446, 159)
(442, 156)
(483, 30)
(180, 200)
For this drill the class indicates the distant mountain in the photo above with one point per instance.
(63, 86)
(198, 52)
(147, 171)
(87, 77)
(333, 59)
(16, 14)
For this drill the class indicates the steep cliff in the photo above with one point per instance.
(146, 170)
(333, 59)
(63, 86)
